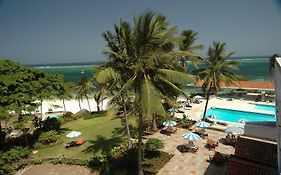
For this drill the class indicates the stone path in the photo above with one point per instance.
(49, 169)
(192, 163)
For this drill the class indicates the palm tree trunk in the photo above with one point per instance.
(98, 106)
(63, 105)
(79, 104)
(208, 96)
(41, 106)
(127, 126)
(88, 104)
(101, 103)
(140, 170)
(154, 127)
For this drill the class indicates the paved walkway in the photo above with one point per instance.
(192, 163)
(49, 169)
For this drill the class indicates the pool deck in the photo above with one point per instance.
(192, 163)
(197, 110)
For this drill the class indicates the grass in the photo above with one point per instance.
(100, 135)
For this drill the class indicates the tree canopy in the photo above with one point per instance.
(21, 87)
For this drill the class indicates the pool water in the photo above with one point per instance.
(234, 115)
(53, 116)
(269, 108)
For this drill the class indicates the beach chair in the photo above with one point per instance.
(211, 144)
(202, 133)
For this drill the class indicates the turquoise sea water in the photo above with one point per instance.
(234, 116)
(252, 69)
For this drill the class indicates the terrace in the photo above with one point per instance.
(192, 163)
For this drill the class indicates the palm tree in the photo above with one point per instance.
(148, 67)
(217, 68)
(272, 61)
(65, 92)
(187, 39)
(84, 88)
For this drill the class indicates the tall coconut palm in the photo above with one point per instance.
(217, 68)
(84, 88)
(187, 40)
(148, 67)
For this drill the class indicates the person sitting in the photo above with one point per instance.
(217, 159)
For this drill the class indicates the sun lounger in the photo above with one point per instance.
(74, 143)
(185, 148)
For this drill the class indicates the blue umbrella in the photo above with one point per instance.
(170, 123)
(190, 136)
(203, 124)
(242, 120)
(171, 110)
(214, 116)
(73, 134)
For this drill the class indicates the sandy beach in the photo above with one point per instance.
(72, 105)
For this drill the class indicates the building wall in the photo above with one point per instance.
(267, 132)
(277, 76)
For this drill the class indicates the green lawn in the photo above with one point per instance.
(99, 134)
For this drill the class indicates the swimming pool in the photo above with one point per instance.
(269, 108)
(235, 115)
(56, 115)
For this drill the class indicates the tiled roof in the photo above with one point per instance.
(256, 151)
(247, 84)
(236, 166)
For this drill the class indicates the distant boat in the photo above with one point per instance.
(82, 71)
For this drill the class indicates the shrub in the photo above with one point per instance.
(15, 154)
(101, 162)
(2, 137)
(185, 122)
(153, 144)
(118, 149)
(153, 165)
(49, 137)
(51, 124)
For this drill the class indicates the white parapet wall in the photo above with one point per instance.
(266, 130)
(277, 76)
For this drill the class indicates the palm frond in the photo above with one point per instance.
(176, 76)
(106, 75)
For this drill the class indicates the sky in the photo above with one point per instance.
(66, 31)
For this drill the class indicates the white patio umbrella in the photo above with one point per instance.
(191, 136)
(214, 116)
(234, 130)
(170, 123)
(171, 110)
(73, 134)
(203, 124)
(197, 97)
(242, 120)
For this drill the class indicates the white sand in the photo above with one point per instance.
(72, 105)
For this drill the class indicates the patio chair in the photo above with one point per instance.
(211, 144)
(168, 130)
(230, 140)
(201, 133)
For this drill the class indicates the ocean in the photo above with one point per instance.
(251, 68)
